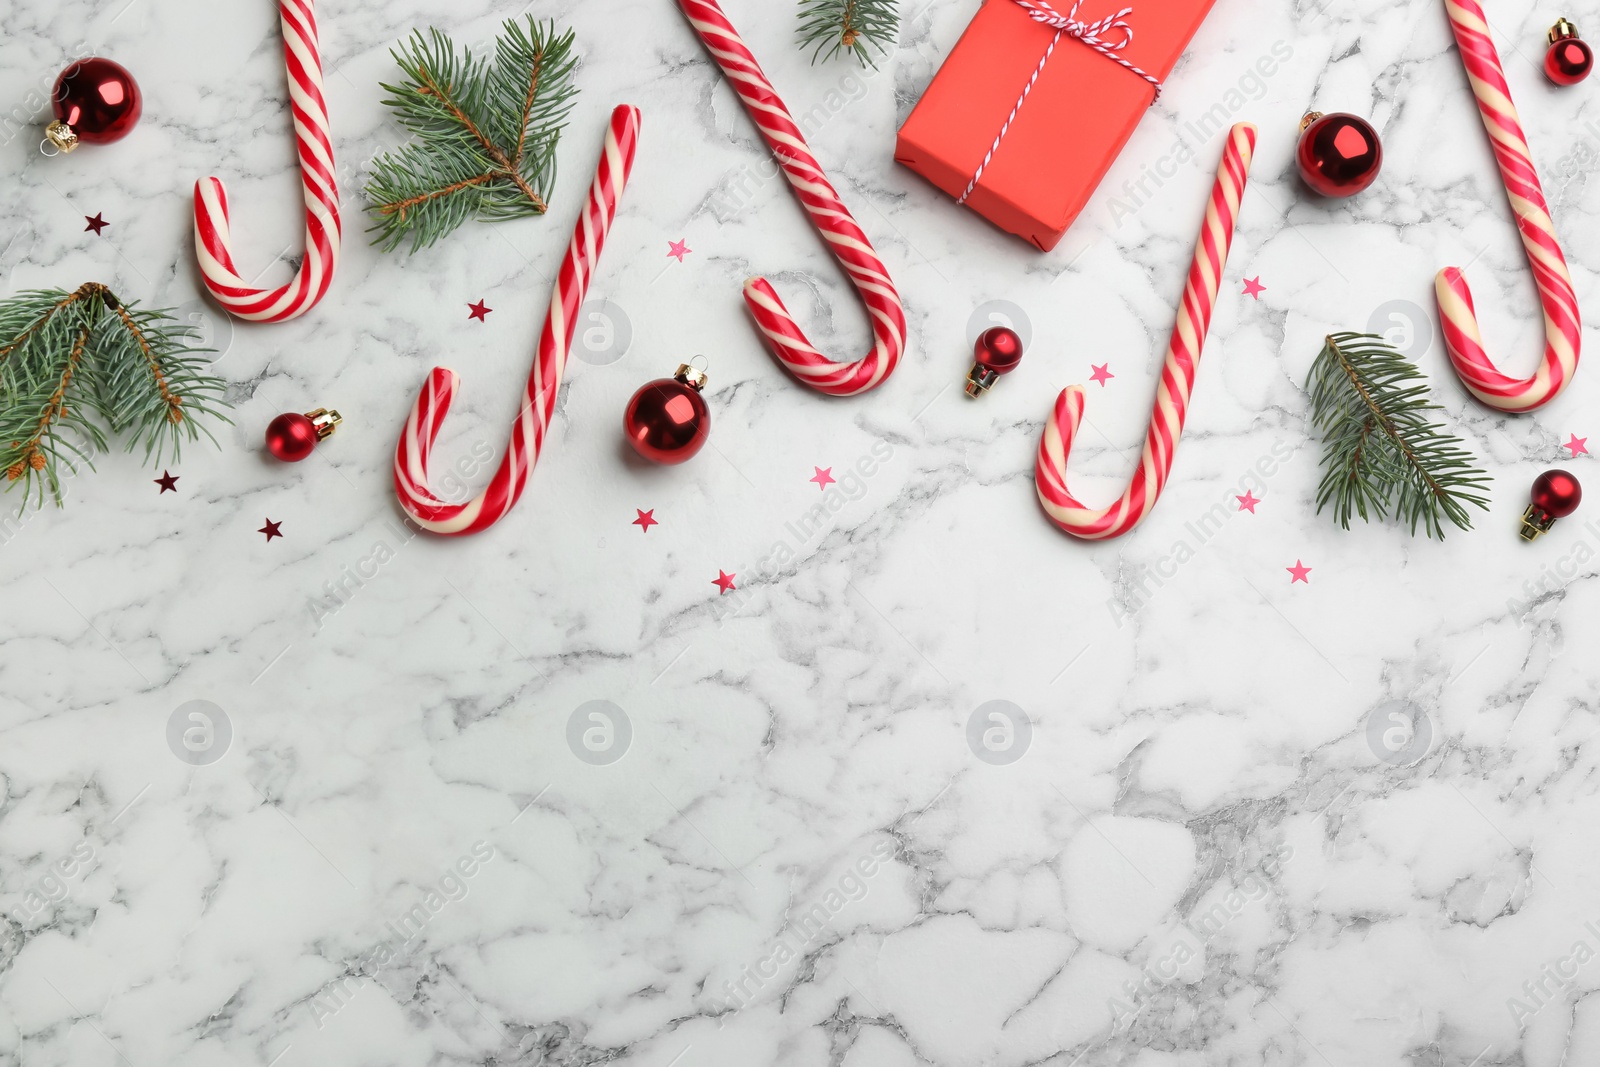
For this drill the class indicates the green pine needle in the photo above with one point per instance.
(75, 366)
(1380, 452)
(484, 134)
(829, 27)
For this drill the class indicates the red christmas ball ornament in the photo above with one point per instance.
(1569, 60)
(667, 420)
(95, 101)
(292, 437)
(1339, 155)
(997, 352)
(1556, 494)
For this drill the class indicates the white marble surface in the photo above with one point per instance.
(1199, 829)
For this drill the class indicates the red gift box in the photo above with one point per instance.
(1070, 125)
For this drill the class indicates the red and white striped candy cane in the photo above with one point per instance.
(544, 381)
(213, 241)
(1457, 316)
(1177, 374)
(828, 214)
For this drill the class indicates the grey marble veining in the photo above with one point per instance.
(1243, 821)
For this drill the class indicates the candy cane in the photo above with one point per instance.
(1562, 328)
(828, 214)
(544, 381)
(213, 240)
(1177, 374)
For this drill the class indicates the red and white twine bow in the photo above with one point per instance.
(1068, 25)
(1089, 32)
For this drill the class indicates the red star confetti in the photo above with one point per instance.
(1299, 570)
(96, 224)
(480, 311)
(1578, 446)
(824, 477)
(1102, 374)
(166, 482)
(723, 581)
(678, 249)
(646, 520)
(271, 529)
(1253, 287)
(1248, 502)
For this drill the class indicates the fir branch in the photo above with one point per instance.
(828, 27)
(1380, 452)
(484, 135)
(23, 328)
(73, 365)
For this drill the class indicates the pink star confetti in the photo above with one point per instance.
(1102, 374)
(1578, 446)
(480, 311)
(1300, 572)
(824, 477)
(678, 249)
(646, 520)
(724, 581)
(1253, 287)
(1248, 502)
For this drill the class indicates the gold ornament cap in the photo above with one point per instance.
(325, 421)
(692, 376)
(1310, 117)
(980, 379)
(1562, 30)
(1536, 523)
(60, 134)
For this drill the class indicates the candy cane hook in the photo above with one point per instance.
(213, 241)
(829, 216)
(544, 381)
(1177, 374)
(1562, 328)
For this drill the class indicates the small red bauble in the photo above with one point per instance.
(997, 352)
(293, 437)
(1556, 494)
(1339, 155)
(1569, 59)
(95, 101)
(667, 420)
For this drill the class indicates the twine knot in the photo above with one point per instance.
(1108, 36)
(1087, 32)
